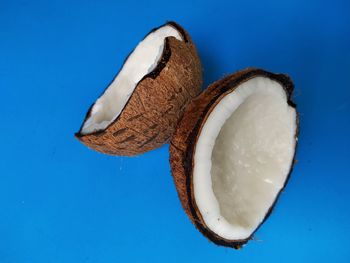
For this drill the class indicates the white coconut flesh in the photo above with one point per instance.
(243, 156)
(141, 61)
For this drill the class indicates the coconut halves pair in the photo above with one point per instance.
(232, 146)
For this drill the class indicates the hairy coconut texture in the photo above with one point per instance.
(232, 153)
(139, 110)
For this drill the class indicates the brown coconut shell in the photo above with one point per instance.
(150, 116)
(183, 143)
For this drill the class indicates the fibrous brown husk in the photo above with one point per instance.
(157, 103)
(184, 140)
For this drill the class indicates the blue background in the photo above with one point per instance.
(61, 202)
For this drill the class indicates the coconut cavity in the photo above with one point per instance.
(140, 62)
(243, 157)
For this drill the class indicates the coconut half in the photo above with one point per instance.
(140, 108)
(232, 153)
